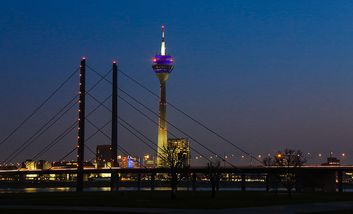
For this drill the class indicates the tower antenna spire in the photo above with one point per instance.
(163, 52)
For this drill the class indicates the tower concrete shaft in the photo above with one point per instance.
(162, 125)
(162, 65)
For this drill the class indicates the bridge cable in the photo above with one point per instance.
(154, 122)
(45, 129)
(183, 132)
(66, 132)
(37, 108)
(219, 156)
(144, 136)
(149, 118)
(102, 104)
(86, 140)
(192, 118)
(39, 132)
(108, 137)
(55, 141)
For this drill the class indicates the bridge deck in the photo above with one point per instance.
(255, 169)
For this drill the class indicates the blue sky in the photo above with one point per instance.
(267, 74)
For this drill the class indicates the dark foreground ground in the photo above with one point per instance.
(161, 199)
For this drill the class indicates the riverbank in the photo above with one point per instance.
(161, 199)
(343, 207)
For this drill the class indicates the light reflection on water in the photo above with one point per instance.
(72, 189)
(105, 189)
(32, 190)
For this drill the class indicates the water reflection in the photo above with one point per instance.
(105, 189)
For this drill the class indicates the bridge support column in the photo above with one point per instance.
(340, 181)
(243, 188)
(267, 182)
(81, 127)
(153, 179)
(138, 181)
(21, 178)
(194, 181)
(118, 178)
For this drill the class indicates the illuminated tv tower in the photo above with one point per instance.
(162, 65)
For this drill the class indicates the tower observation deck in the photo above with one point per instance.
(162, 65)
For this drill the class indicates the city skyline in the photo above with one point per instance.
(266, 76)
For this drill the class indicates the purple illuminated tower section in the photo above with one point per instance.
(162, 65)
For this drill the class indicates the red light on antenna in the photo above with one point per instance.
(83, 58)
(154, 60)
(114, 62)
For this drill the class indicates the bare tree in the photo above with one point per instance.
(273, 179)
(214, 175)
(288, 159)
(178, 166)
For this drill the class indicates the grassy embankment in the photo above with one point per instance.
(161, 199)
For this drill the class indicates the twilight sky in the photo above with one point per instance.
(268, 75)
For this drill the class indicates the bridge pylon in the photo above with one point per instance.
(114, 138)
(81, 126)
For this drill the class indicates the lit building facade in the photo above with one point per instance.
(29, 164)
(128, 162)
(181, 147)
(43, 164)
(149, 161)
(103, 156)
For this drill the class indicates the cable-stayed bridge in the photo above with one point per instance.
(79, 172)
